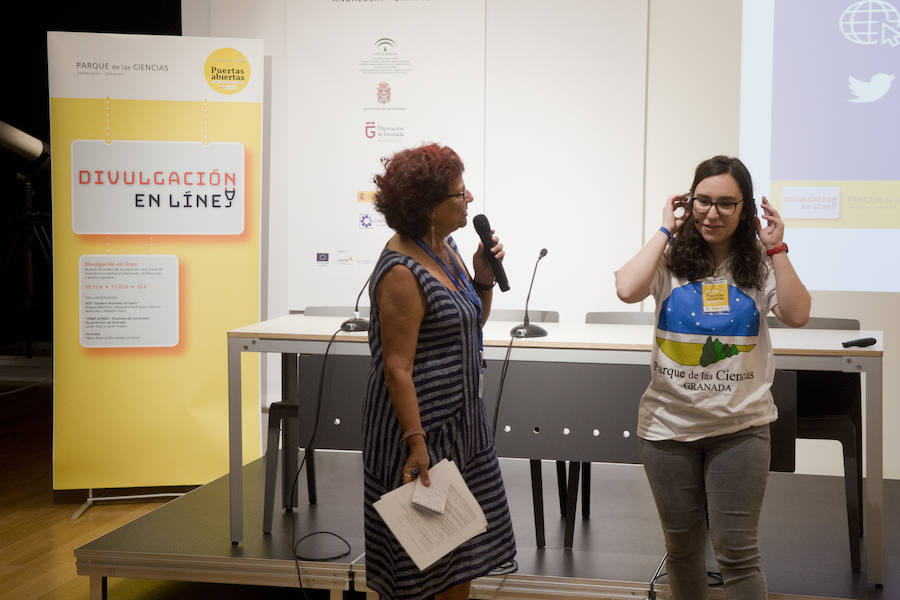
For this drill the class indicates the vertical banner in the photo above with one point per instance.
(156, 146)
(368, 79)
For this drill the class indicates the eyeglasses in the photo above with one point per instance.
(462, 193)
(701, 205)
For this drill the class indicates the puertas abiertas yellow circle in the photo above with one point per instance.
(227, 71)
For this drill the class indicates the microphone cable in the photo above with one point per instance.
(294, 541)
(714, 577)
(510, 566)
(503, 371)
(518, 332)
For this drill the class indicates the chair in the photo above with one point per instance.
(620, 318)
(567, 476)
(512, 314)
(283, 416)
(829, 407)
(567, 484)
(335, 311)
(609, 318)
(537, 481)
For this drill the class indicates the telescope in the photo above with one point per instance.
(33, 150)
(25, 231)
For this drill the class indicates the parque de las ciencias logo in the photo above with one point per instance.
(227, 71)
(108, 67)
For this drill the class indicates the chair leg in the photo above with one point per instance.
(842, 429)
(311, 474)
(856, 420)
(271, 469)
(561, 486)
(859, 482)
(571, 503)
(537, 500)
(854, 516)
(585, 490)
(289, 404)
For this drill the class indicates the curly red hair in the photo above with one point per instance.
(415, 180)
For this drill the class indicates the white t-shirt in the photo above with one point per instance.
(711, 369)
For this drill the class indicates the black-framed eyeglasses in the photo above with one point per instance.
(702, 205)
(462, 193)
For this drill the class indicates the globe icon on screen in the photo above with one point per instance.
(870, 22)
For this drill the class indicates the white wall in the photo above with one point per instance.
(564, 118)
(262, 19)
(692, 113)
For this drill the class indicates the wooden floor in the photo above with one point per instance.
(38, 537)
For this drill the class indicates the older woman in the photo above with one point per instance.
(423, 400)
(715, 272)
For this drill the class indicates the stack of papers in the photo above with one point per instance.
(443, 515)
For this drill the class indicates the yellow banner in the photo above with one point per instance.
(140, 392)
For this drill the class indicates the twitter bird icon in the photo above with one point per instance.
(869, 91)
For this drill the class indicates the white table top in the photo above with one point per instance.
(822, 342)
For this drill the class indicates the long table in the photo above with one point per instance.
(795, 349)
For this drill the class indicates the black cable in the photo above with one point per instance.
(500, 386)
(294, 541)
(23, 388)
(651, 593)
(716, 577)
(510, 566)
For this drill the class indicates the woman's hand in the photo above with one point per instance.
(773, 233)
(416, 463)
(670, 220)
(483, 271)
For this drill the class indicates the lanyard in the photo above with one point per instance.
(462, 282)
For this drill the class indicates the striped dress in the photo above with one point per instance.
(446, 373)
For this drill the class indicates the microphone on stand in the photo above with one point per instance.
(357, 324)
(527, 329)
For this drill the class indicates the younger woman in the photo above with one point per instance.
(704, 420)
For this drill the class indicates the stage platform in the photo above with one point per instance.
(615, 552)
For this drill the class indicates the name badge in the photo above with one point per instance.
(715, 296)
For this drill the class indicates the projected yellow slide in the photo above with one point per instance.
(838, 204)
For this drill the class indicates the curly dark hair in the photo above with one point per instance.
(689, 256)
(414, 182)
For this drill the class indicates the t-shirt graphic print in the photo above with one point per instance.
(711, 359)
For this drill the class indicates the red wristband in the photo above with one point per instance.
(782, 247)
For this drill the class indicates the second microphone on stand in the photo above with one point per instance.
(528, 329)
(356, 323)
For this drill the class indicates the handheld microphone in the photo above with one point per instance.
(483, 228)
(357, 324)
(526, 329)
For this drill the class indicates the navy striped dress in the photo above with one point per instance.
(446, 373)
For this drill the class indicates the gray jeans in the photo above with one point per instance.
(724, 478)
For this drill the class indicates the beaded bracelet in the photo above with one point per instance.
(412, 432)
